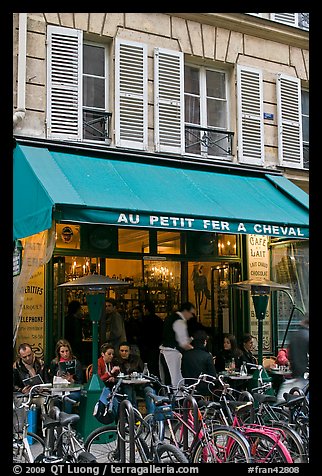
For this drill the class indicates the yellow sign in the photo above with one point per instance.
(32, 320)
(258, 270)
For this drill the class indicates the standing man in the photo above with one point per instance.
(175, 341)
(112, 326)
(74, 327)
(152, 330)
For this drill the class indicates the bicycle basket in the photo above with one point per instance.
(101, 412)
(162, 412)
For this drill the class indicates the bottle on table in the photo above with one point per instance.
(145, 369)
(232, 365)
(243, 369)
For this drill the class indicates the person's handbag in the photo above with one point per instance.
(102, 411)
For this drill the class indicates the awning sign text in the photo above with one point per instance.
(202, 224)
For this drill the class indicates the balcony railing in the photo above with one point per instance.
(306, 156)
(97, 125)
(207, 141)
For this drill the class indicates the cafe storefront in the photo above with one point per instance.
(172, 234)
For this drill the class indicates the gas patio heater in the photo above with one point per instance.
(260, 292)
(94, 287)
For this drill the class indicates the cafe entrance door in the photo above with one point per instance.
(209, 291)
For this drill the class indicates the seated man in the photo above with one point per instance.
(128, 364)
(198, 361)
(27, 365)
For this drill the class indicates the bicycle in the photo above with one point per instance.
(267, 411)
(21, 448)
(61, 442)
(266, 442)
(187, 430)
(124, 443)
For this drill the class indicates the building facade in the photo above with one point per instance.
(168, 150)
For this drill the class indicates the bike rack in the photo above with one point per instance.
(126, 407)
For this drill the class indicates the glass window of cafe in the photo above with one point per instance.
(163, 266)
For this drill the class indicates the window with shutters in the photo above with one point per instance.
(305, 129)
(131, 94)
(76, 87)
(96, 119)
(289, 121)
(206, 113)
(250, 115)
(300, 20)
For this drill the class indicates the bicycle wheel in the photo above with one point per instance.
(86, 457)
(167, 453)
(267, 449)
(222, 445)
(19, 451)
(292, 441)
(102, 443)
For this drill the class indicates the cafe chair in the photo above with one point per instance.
(88, 372)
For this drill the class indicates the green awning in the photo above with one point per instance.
(73, 187)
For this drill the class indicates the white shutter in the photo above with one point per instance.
(290, 147)
(250, 116)
(168, 101)
(287, 18)
(131, 94)
(64, 83)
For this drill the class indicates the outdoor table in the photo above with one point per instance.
(284, 373)
(236, 376)
(127, 380)
(62, 389)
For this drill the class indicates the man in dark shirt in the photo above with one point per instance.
(152, 329)
(198, 361)
(112, 327)
(27, 365)
(73, 327)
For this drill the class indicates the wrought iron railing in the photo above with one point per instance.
(97, 125)
(208, 141)
(306, 156)
(304, 21)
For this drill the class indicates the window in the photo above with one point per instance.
(134, 241)
(305, 129)
(168, 242)
(76, 87)
(94, 92)
(206, 112)
(300, 20)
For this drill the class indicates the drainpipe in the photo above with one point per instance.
(20, 112)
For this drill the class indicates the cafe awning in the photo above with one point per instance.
(73, 187)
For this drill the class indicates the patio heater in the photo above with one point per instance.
(94, 287)
(260, 292)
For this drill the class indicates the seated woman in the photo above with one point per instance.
(65, 354)
(229, 351)
(106, 370)
(246, 348)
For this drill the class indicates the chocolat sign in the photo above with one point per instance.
(205, 224)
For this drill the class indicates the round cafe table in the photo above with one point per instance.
(127, 380)
(284, 373)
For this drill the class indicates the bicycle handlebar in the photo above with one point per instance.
(32, 390)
